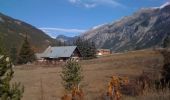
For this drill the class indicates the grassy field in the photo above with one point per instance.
(97, 73)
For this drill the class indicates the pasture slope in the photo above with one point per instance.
(97, 73)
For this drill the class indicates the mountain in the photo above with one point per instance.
(66, 39)
(13, 31)
(146, 28)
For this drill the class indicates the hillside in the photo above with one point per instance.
(13, 31)
(146, 28)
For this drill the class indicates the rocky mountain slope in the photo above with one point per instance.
(66, 39)
(146, 28)
(13, 31)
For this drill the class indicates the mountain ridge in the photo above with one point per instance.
(146, 28)
(13, 32)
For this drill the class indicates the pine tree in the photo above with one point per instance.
(8, 91)
(26, 54)
(93, 50)
(71, 75)
(166, 42)
(166, 67)
(2, 49)
(87, 48)
(13, 55)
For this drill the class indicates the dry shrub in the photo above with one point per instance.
(151, 94)
(114, 88)
(130, 89)
(142, 87)
(76, 94)
(145, 88)
(137, 86)
(66, 97)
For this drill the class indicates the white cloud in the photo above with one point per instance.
(90, 5)
(74, 1)
(94, 3)
(63, 29)
(54, 32)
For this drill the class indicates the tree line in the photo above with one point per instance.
(24, 55)
(87, 48)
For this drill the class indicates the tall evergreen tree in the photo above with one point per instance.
(26, 54)
(79, 44)
(93, 50)
(8, 91)
(2, 51)
(87, 48)
(166, 42)
(13, 55)
(166, 68)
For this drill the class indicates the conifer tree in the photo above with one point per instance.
(1, 47)
(13, 55)
(166, 67)
(166, 42)
(93, 50)
(87, 48)
(71, 75)
(8, 91)
(26, 54)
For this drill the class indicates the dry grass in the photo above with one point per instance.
(151, 94)
(97, 73)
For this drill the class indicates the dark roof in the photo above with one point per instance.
(57, 52)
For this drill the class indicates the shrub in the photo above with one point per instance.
(71, 75)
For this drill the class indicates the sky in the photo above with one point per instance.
(72, 17)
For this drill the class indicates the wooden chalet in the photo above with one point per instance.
(61, 53)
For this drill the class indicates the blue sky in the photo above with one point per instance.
(72, 17)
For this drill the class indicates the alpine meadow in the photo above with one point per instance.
(84, 50)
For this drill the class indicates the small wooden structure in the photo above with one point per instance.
(101, 52)
(59, 53)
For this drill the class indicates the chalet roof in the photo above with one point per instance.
(61, 51)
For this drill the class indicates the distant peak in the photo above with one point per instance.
(98, 26)
(61, 35)
(164, 5)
